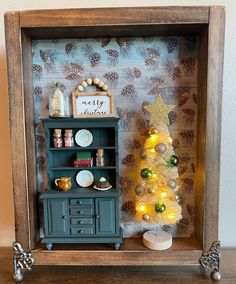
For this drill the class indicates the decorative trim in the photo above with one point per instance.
(21, 260)
(211, 260)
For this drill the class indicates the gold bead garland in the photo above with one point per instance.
(89, 81)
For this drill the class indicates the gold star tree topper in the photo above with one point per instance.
(159, 112)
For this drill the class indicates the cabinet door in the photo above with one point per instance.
(58, 217)
(105, 216)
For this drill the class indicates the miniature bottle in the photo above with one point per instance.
(58, 103)
(68, 138)
(57, 139)
(99, 158)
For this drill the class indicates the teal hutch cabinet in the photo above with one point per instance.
(82, 214)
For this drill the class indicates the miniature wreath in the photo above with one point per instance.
(89, 81)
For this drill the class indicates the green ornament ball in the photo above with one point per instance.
(174, 160)
(160, 207)
(146, 173)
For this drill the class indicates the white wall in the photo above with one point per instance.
(228, 158)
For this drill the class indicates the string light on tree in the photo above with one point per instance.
(156, 189)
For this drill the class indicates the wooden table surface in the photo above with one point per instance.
(99, 274)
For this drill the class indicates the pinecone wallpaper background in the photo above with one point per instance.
(136, 71)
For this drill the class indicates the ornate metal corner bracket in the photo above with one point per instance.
(22, 261)
(211, 260)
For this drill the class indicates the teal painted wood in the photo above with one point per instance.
(57, 217)
(105, 216)
(82, 215)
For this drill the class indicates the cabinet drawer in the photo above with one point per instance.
(82, 231)
(82, 201)
(81, 221)
(81, 211)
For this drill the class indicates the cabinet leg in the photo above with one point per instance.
(116, 246)
(49, 246)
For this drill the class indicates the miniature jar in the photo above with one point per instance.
(68, 138)
(58, 103)
(100, 158)
(57, 139)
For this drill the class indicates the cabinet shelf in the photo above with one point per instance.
(82, 148)
(82, 168)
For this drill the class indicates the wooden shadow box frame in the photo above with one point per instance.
(22, 27)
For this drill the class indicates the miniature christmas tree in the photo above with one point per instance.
(156, 190)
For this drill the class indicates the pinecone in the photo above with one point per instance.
(182, 169)
(171, 44)
(188, 136)
(123, 42)
(175, 74)
(37, 68)
(136, 144)
(189, 115)
(184, 158)
(150, 61)
(145, 103)
(71, 76)
(190, 210)
(189, 64)
(38, 90)
(129, 208)
(129, 161)
(188, 184)
(154, 91)
(175, 143)
(132, 144)
(166, 228)
(172, 117)
(94, 59)
(136, 73)
(70, 48)
(77, 68)
(112, 77)
(152, 53)
(158, 82)
(39, 139)
(41, 161)
(105, 41)
(113, 53)
(194, 98)
(45, 56)
(128, 91)
(182, 225)
(193, 167)
(125, 183)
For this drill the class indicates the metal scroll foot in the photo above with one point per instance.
(21, 260)
(211, 260)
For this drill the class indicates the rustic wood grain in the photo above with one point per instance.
(213, 124)
(114, 16)
(132, 252)
(201, 136)
(117, 274)
(30, 138)
(17, 131)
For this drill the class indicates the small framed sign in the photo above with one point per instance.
(94, 104)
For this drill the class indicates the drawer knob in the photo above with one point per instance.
(64, 217)
(80, 202)
(80, 222)
(80, 211)
(97, 216)
(81, 231)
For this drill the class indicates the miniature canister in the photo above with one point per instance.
(68, 138)
(57, 139)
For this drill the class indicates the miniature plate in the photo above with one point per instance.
(84, 178)
(102, 189)
(83, 137)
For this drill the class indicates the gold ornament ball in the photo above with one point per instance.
(172, 183)
(139, 190)
(151, 190)
(146, 217)
(160, 148)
